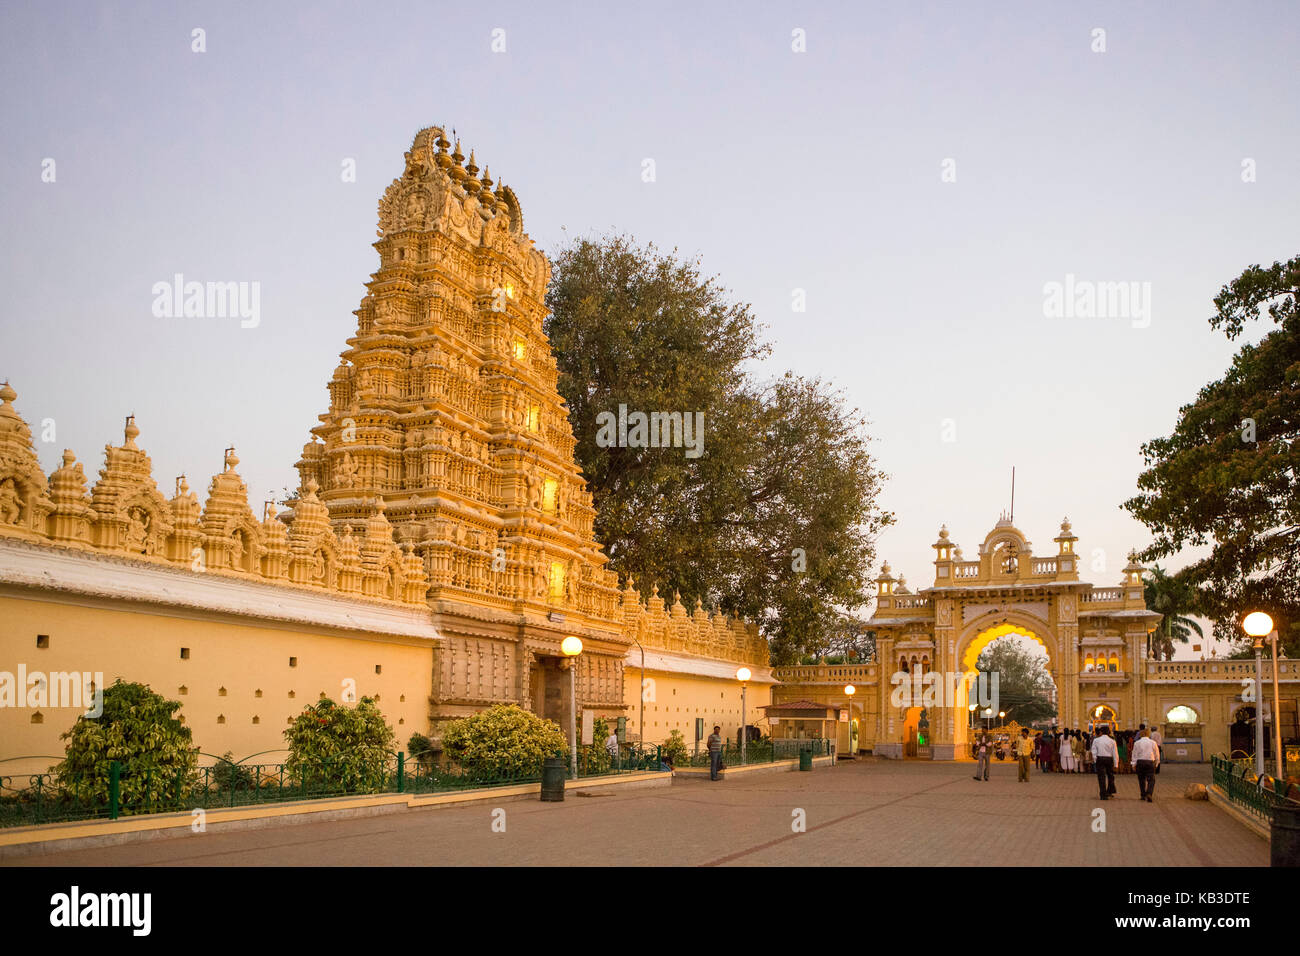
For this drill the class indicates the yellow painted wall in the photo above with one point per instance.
(243, 658)
(680, 698)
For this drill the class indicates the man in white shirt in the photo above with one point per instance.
(1146, 757)
(611, 745)
(1103, 758)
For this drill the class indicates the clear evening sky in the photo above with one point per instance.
(820, 170)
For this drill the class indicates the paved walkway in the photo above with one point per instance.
(870, 813)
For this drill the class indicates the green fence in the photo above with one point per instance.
(768, 750)
(1251, 795)
(113, 792)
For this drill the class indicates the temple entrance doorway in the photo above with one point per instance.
(916, 733)
(1103, 714)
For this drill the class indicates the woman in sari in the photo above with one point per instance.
(1076, 745)
(1121, 748)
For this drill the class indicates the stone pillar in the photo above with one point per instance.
(1135, 664)
(889, 727)
(943, 721)
(1069, 708)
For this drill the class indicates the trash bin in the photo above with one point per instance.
(1285, 842)
(805, 760)
(554, 770)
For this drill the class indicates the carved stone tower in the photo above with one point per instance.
(445, 420)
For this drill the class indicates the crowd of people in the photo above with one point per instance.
(1101, 751)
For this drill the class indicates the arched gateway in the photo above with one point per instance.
(1094, 637)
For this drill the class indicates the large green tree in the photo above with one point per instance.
(1172, 596)
(1024, 685)
(775, 519)
(1226, 477)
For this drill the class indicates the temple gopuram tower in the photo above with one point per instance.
(445, 421)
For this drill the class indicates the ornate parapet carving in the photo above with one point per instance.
(712, 635)
(125, 514)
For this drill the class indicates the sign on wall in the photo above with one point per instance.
(588, 726)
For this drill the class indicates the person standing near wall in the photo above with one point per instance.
(715, 752)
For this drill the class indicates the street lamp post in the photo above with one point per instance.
(743, 676)
(1260, 626)
(1259, 708)
(641, 733)
(850, 690)
(572, 647)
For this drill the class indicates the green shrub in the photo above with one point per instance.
(227, 775)
(420, 749)
(143, 733)
(338, 747)
(502, 742)
(675, 748)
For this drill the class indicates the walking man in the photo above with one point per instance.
(715, 752)
(1146, 757)
(983, 753)
(1103, 757)
(1024, 750)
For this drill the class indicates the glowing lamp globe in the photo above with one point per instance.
(1257, 624)
(850, 689)
(743, 674)
(571, 646)
(972, 707)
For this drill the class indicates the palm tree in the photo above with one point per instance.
(1175, 599)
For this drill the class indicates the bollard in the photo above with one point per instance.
(805, 759)
(554, 770)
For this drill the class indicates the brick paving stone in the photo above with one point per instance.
(867, 813)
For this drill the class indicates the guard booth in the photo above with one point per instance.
(802, 720)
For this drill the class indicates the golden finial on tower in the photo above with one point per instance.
(472, 184)
(457, 157)
(441, 158)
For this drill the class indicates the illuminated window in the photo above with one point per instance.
(534, 418)
(510, 291)
(549, 489)
(1181, 714)
(1088, 664)
(521, 351)
(1114, 664)
(557, 581)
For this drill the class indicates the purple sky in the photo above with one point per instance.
(818, 171)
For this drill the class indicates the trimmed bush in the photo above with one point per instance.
(226, 775)
(143, 733)
(675, 748)
(340, 748)
(502, 742)
(420, 749)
